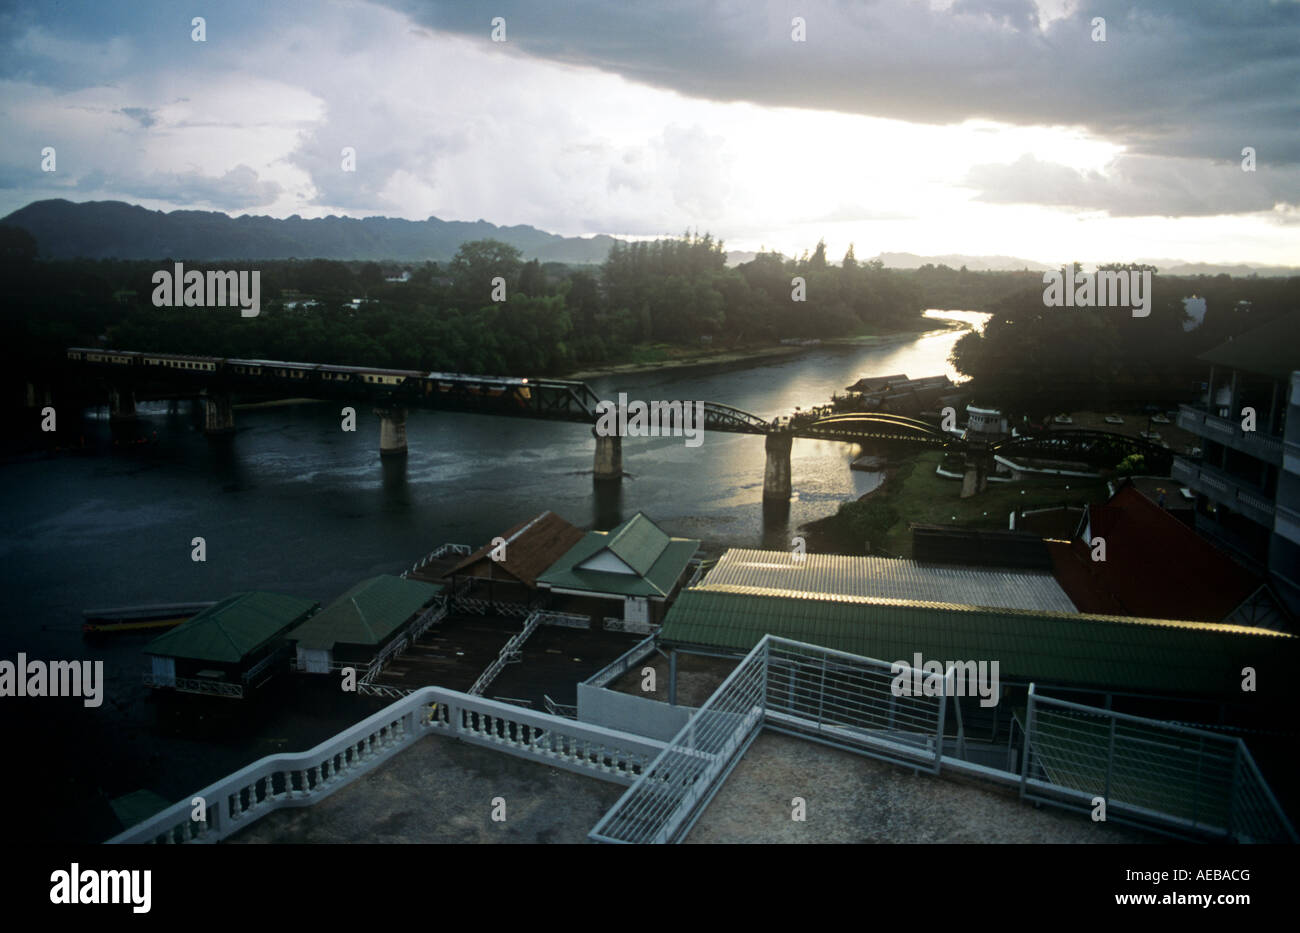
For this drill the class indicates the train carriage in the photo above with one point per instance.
(112, 357)
(485, 386)
(180, 362)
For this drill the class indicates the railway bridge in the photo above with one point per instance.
(128, 375)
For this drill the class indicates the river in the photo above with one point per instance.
(294, 504)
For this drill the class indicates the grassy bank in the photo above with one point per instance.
(913, 492)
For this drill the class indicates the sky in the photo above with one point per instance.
(928, 126)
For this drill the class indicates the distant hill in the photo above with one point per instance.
(1015, 264)
(956, 261)
(913, 261)
(116, 230)
(1237, 270)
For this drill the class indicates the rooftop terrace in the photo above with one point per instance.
(852, 799)
(791, 720)
(440, 790)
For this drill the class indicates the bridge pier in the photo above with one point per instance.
(218, 414)
(978, 464)
(121, 404)
(609, 456)
(392, 432)
(974, 481)
(776, 474)
(38, 396)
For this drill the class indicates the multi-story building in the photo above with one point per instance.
(1247, 482)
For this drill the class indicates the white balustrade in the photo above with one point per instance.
(248, 794)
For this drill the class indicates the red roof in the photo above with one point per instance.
(531, 547)
(1155, 567)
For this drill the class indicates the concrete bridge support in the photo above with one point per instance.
(974, 481)
(38, 396)
(978, 464)
(609, 457)
(392, 432)
(121, 404)
(776, 475)
(218, 414)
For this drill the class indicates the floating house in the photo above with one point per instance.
(356, 628)
(507, 572)
(631, 572)
(230, 648)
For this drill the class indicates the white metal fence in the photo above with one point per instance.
(623, 663)
(674, 790)
(1173, 778)
(442, 550)
(787, 686)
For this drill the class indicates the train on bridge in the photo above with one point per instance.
(307, 374)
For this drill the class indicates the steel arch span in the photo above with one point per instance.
(1098, 448)
(881, 426)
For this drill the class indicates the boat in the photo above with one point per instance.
(139, 618)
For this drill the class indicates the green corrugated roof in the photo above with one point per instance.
(1268, 350)
(233, 628)
(366, 614)
(640, 544)
(1142, 655)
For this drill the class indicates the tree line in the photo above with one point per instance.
(675, 292)
(1033, 361)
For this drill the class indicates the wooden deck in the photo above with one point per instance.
(555, 659)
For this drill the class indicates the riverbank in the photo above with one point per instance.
(681, 358)
(676, 358)
(914, 492)
(276, 403)
(886, 340)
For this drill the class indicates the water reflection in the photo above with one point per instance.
(606, 503)
(397, 492)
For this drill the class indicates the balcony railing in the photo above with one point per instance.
(1228, 432)
(214, 688)
(303, 778)
(1225, 489)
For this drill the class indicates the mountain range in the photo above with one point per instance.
(117, 230)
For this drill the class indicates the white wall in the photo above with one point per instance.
(164, 672)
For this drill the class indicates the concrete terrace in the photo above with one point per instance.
(853, 799)
(440, 790)
(698, 676)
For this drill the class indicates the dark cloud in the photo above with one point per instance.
(142, 115)
(1173, 78)
(1138, 186)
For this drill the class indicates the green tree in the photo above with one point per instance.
(476, 264)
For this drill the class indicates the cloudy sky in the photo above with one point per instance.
(928, 126)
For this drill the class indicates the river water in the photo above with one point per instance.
(292, 503)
